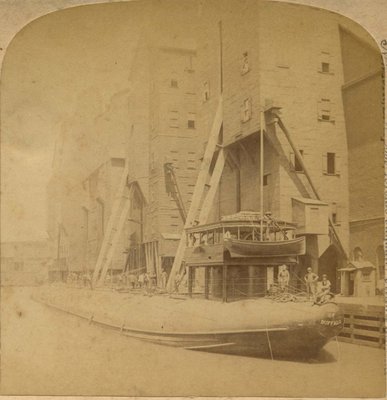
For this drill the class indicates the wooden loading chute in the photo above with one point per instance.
(118, 216)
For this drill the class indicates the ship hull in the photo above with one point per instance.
(276, 343)
(295, 331)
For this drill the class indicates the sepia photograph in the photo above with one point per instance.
(192, 200)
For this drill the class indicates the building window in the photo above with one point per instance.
(174, 83)
(246, 110)
(173, 119)
(191, 119)
(245, 63)
(357, 254)
(325, 110)
(325, 60)
(206, 91)
(334, 214)
(265, 179)
(325, 67)
(331, 164)
(331, 167)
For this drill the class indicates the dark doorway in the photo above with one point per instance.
(328, 264)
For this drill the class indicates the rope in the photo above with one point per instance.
(338, 348)
(269, 343)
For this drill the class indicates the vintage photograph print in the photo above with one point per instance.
(192, 202)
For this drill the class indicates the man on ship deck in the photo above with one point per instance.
(311, 283)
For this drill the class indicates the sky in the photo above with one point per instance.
(80, 55)
(68, 60)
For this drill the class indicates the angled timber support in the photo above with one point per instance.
(111, 223)
(201, 185)
(272, 114)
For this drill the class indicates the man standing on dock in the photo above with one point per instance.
(311, 283)
(164, 279)
(283, 278)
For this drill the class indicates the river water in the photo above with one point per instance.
(47, 352)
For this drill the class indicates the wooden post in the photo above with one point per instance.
(381, 330)
(224, 288)
(262, 121)
(250, 284)
(207, 282)
(190, 283)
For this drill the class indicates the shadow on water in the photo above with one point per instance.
(322, 357)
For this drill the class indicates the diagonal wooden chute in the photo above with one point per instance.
(334, 236)
(116, 231)
(118, 204)
(201, 184)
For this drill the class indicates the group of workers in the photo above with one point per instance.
(144, 280)
(316, 289)
(82, 279)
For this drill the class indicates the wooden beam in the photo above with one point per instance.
(224, 284)
(213, 187)
(115, 236)
(112, 222)
(361, 79)
(207, 282)
(190, 281)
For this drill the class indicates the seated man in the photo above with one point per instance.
(324, 293)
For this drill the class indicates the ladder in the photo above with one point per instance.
(199, 191)
(121, 206)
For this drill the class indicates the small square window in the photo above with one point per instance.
(325, 110)
(266, 179)
(174, 83)
(191, 124)
(325, 67)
